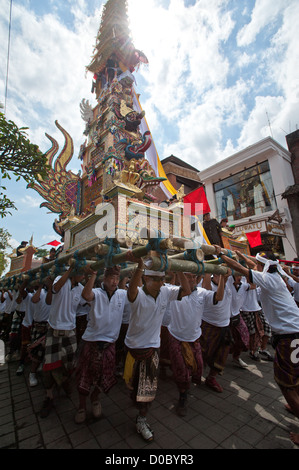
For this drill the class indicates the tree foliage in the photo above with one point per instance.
(41, 253)
(18, 157)
(4, 244)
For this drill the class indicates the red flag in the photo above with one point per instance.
(54, 243)
(254, 238)
(198, 201)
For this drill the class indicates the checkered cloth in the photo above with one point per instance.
(60, 349)
(255, 322)
(36, 349)
(16, 322)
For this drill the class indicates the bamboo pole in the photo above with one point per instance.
(180, 265)
(176, 262)
(123, 257)
(196, 253)
(211, 250)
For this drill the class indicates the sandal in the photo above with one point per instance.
(96, 409)
(80, 416)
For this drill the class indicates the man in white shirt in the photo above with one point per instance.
(2, 306)
(17, 315)
(239, 330)
(293, 281)
(10, 305)
(148, 306)
(252, 313)
(283, 315)
(41, 311)
(27, 305)
(61, 342)
(216, 338)
(184, 333)
(96, 363)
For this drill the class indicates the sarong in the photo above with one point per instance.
(141, 374)
(215, 345)
(96, 366)
(240, 336)
(6, 326)
(186, 362)
(81, 324)
(286, 360)
(164, 345)
(36, 349)
(25, 341)
(15, 335)
(60, 350)
(16, 323)
(120, 345)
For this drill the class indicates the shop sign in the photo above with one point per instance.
(252, 227)
(276, 229)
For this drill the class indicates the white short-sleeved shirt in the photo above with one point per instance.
(146, 317)
(21, 306)
(219, 314)
(2, 304)
(238, 295)
(10, 304)
(167, 314)
(279, 306)
(64, 305)
(186, 314)
(127, 312)
(295, 286)
(28, 308)
(250, 303)
(41, 310)
(105, 316)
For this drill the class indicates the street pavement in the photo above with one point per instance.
(249, 414)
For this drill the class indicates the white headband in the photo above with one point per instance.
(268, 263)
(148, 272)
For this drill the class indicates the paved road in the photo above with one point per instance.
(249, 414)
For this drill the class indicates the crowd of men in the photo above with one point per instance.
(77, 326)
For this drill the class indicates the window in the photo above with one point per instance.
(247, 193)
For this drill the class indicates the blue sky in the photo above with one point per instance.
(222, 75)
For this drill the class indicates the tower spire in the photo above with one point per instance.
(114, 43)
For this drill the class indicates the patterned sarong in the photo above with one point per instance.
(215, 345)
(164, 345)
(286, 361)
(36, 349)
(258, 327)
(240, 335)
(60, 350)
(81, 324)
(95, 366)
(141, 374)
(186, 362)
(16, 323)
(15, 335)
(25, 341)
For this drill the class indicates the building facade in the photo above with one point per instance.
(247, 188)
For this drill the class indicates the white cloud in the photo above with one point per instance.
(30, 201)
(264, 13)
(13, 243)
